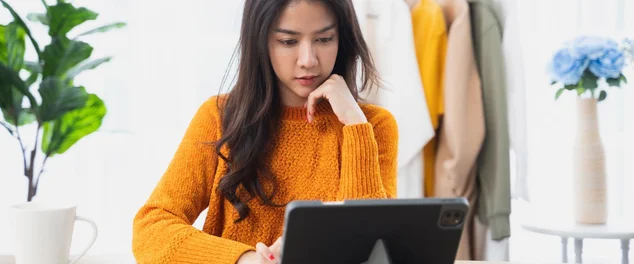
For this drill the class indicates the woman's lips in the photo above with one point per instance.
(306, 80)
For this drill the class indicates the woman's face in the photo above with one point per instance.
(303, 46)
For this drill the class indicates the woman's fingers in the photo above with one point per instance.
(278, 241)
(313, 99)
(276, 249)
(325, 91)
(343, 104)
(265, 252)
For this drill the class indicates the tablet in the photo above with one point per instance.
(425, 230)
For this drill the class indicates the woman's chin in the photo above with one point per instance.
(303, 91)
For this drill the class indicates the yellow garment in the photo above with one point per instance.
(430, 39)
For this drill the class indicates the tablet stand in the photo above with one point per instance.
(379, 254)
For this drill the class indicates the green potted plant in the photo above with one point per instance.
(64, 112)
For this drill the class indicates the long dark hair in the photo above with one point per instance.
(252, 109)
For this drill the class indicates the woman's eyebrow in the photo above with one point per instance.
(291, 32)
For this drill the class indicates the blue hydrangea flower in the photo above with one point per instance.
(592, 47)
(567, 68)
(609, 65)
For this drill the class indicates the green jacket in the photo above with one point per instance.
(494, 201)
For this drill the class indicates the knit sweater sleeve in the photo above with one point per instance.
(368, 158)
(162, 228)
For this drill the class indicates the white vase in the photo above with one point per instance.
(589, 179)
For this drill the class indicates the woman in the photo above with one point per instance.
(290, 129)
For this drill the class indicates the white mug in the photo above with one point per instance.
(42, 232)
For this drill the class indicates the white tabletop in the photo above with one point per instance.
(562, 224)
(105, 259)
(126, 259)
(612, 230)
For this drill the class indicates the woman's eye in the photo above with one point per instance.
(325, 40)
(288, 42)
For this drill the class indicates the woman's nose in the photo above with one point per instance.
(307, 57)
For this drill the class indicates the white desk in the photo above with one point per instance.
(105, 259)
(128, 259)
(622, 231)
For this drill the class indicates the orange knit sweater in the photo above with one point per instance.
(323, 160)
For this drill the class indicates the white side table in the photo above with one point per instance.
(612, 230)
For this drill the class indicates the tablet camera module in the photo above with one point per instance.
(451, 218)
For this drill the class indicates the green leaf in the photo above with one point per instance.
(3, 45)
(9, 78)
(72, 73)
(63, 54)
(57, 99)
(48, 135)
(580, 90)
(103, 29)
(23, 25)
(35, 69)
(623, 79)
(14, 36)
(6, 88)
(602, 96)
(42, 18)
(570, 87)
(11, 86)
(589, 80)
(61, 134)
(13, 113)
(64, 17)
(25, 117)
(11, 104)
(613, 82)
(559, 92)
(553, 82)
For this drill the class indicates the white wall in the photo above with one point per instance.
(169, 59)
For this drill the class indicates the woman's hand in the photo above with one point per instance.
(263, 254)
(336, 91)
(276, 249)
